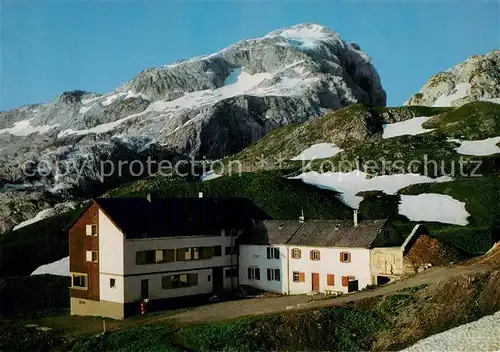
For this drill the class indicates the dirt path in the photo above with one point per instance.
(259, 306)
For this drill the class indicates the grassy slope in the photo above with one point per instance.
(478, 120)
(279, 197)
(333, 127)
(482, 199)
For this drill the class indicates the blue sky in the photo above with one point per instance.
(56, 46)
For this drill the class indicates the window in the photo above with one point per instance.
(273, 274)
(296, 253)
(231, 272)
(92, 256)
(314, 254)
(197, 253)
(273, 253)
(217, 251)
(345, 257)
(155, 256)
(91, 230)
(79, 280)
(179, 281)
(298, 276)
(112, 283)
(254, 273)
(346, 279)
(330, 280)
(231, 250)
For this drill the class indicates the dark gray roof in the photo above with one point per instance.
(167, 217)
(271, 232)
(316, 233)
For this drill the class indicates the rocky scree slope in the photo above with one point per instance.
(475, 79)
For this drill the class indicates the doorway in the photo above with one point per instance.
(218, 279)
(144, 288)
(315, 282)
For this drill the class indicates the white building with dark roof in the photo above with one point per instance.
(297, 257)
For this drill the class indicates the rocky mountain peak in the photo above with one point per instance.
(475, 79)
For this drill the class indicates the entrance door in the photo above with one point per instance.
(144, 288)
(218, 279)
(315, 282)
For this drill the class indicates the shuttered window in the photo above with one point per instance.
(345, 257)
(330, 280)
(179, 281)
(91, 230)
(346, 279)
(296, 253)
(314, 255)
(298, 276)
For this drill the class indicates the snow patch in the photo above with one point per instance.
(210, 175)
(60, 268)
(318, 151)
(480, 335)
(350, 183)
(307, 36)
(46, 213)
(409, 127)
(478, 148)
(459, 92)
(434, 207)
(84, 109)
(25, 128)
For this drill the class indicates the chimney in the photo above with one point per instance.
(301, 217)
(148, 197)
(355, 217)
(200, 194)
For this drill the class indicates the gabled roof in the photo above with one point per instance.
(166, 217)
(317, 233)
(271, 232)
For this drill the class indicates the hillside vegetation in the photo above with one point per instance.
(279, 197)
(473, 121)
(345, 128)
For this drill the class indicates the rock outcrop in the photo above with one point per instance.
(477, 78)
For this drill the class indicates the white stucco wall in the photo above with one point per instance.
(330, 264)
(256, 256)
(133, 286)
(154, 272)
(132, 246)
(111, 263)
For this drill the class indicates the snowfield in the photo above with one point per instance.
(409, 127)
(480, 335)
(285, 82)
(434, 207)
(459, 92)
(60, 268)
(350, 183)
(318, 151)
(25, 128)
(478, 148)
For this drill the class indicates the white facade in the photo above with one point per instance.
(111, 263)
(255, 256)
(120, 276)
(358, 268)
(330, 264)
